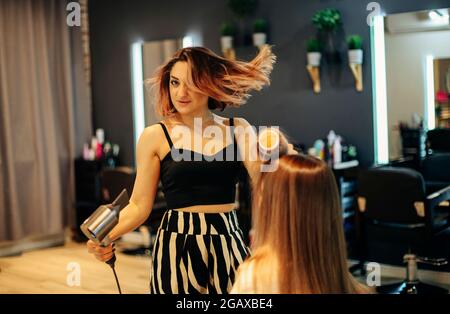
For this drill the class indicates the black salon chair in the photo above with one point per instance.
(114, 180)
(438, 141)
(436, 171)
(399, 223)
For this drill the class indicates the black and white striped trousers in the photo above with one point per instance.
(197, 253)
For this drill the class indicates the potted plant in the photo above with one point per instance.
(355, 52)
(313, 52)
(327, 21)
(260, 32)
(227, 32)
(243, 10)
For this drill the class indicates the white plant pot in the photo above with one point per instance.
(226, 42)
(355, 56)
(259, 39)
(314, 58)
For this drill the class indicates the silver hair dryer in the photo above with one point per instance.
(103, 220)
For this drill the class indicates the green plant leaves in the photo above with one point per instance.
(327, 19)
(260, 26)
(227, 29)
(313, 45)
(354, 42)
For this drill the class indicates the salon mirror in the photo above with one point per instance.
(441, 70)
(155, 53)
(146, 57)
(411, 53)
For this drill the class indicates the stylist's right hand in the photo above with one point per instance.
(101, 253)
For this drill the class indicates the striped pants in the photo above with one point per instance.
(197, 253)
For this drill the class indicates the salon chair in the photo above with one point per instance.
(114, 180)
(436, 171)
(399, 223)
(438, 141)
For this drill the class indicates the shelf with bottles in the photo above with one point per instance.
(335, 151)
(442, 109)
(443, 115)
(342, 158)
(100, 150)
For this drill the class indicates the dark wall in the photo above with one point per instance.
(289, 102)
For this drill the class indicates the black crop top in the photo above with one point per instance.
(200, 180)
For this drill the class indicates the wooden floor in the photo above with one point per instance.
(47, 271)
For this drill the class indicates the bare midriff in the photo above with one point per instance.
(209, 209)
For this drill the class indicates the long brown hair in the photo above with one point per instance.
(226, 82)
(298, 229)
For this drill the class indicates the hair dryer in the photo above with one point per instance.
(102, 221)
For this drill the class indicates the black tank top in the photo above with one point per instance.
(200, 180)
